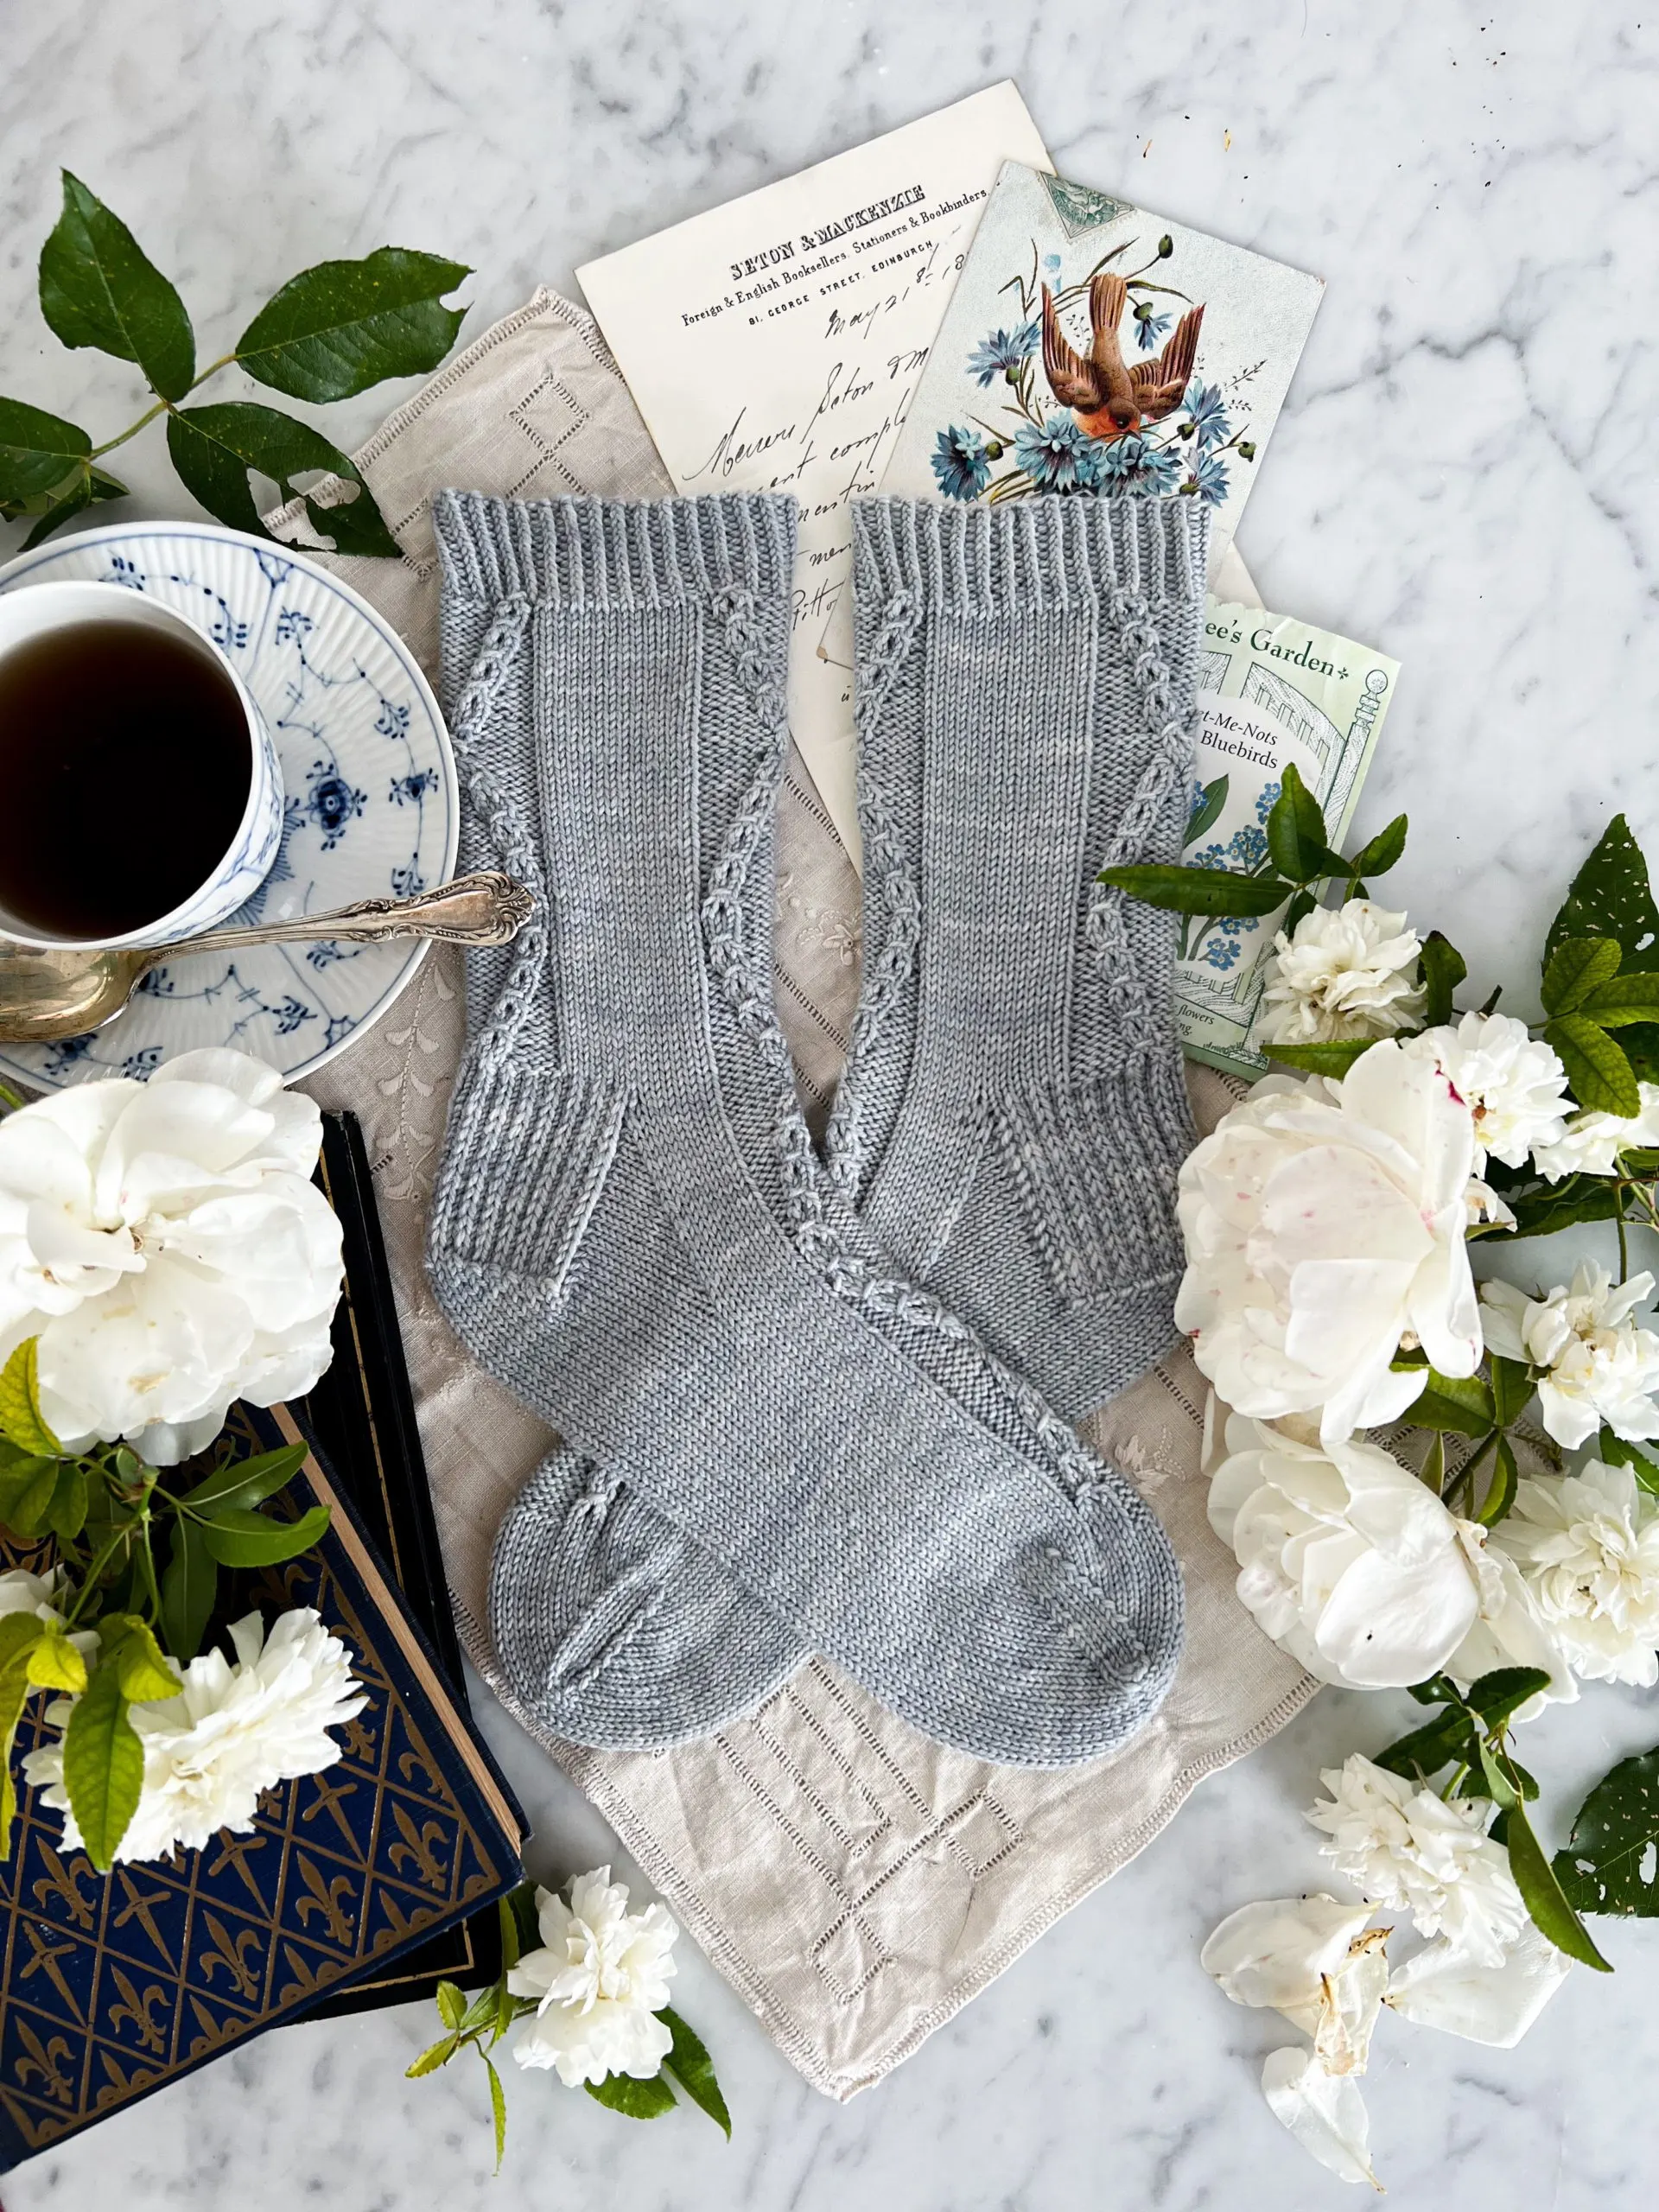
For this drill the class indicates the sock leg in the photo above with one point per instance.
(1014, 1112)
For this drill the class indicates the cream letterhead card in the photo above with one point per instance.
(773, 344)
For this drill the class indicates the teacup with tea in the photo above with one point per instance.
(141, 798)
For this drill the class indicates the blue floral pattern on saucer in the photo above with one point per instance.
(370, 804)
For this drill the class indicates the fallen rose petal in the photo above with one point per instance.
(1278, 1951)
(1442, 1987)
(1350, 2001)
(1324, 2112)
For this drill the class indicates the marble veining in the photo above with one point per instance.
(1462, 476)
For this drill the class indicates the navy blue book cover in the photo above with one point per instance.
(111, 1986)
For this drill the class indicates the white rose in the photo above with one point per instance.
(1588, 1546)
(1402, 1845)
(233, 1731)
(600, 1979)
(165, 1243)
(37, 1594)
(1324, 1222)
(1343, 972)
(1601, 1366)
(1346, 1558)
(1510, 1630)
(1514, 1087)
(1592, 1141)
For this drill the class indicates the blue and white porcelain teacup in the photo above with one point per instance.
(83, 621)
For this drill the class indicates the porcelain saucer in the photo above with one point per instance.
(371, 807)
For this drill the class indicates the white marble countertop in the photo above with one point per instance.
(1463, 477)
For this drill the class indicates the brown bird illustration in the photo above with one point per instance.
(1109, 399)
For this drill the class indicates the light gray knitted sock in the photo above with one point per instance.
(625, 1148)
(1013, 1113)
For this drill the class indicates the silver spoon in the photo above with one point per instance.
(62, 991)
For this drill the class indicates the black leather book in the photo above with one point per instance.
(361, 1419)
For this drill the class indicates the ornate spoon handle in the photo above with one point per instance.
(487, 908)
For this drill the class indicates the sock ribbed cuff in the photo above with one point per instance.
(594, 552)
(1048, 552)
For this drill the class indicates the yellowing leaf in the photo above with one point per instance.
(141, 1664)
(21, 1418)
(54, 1664)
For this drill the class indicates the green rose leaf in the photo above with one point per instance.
(692, 2068)
(1500, 1788)
(356, 526)
(1500, 1491)
(26, 1490)
(1378, 857)
(21, 1421)
(90, 485)
(19, 1635)
(1642, 1049)
(1296, 831)
(39, 453)
(452, 2005)
(1439, 1689)
(1199, 890)
(66, 1512)
(639, 2100)
(1436, 1744)
(1577, 967)
(247, 1482)
(1512, 1389)
(521, 1903)
(1542, 1894)
(1563, 1206)
(1611, 896)
(1624, 1001)
(436, 2055)
(1457, 1402)
(1601, 1076)
(236, 1537)
(103, 1766)
(1207, 812)
(498, 2109)
(1611, 1860)
(1619, 1451)
(189, 1586)
(343, 325)
(1321, 1060)
(140, 1664)
(510, 1950)
(214, 448)
(99, 288)
(1496, 1696)
(1442, 968)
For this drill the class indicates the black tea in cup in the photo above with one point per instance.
(125, 767)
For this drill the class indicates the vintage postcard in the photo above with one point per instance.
(1270, 690)
(773, 344)
(1092, 347)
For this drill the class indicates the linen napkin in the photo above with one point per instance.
(855, 1882)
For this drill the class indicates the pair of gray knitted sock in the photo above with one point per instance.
(808, 1402)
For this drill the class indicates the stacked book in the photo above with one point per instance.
(361, 1885)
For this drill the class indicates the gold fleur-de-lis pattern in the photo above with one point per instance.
(110, 1985)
